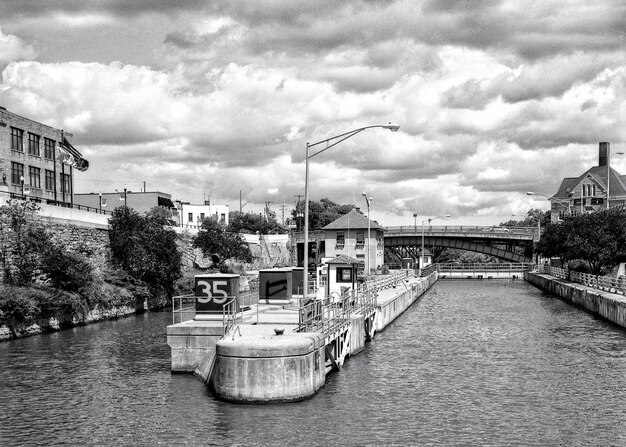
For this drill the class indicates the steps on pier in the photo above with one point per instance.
(205, 368)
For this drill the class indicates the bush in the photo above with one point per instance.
(66, 270)
(17, 308)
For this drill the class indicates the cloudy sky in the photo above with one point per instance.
(209, 98)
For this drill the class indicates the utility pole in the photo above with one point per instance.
(298, 211)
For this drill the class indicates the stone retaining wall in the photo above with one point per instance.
(609, 306)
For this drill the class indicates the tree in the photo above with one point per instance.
(22, 241)
(322, 213)
(252, 223)
(145, 247)
(214, 240)
(597, 238)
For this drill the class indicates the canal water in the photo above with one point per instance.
(481, 363)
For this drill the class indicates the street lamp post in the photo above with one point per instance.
(330, 142)
(125, 195)
(368, 201)
(415, 217)
(429, 220)
(22, 185)
(608, 177)
(100, 197)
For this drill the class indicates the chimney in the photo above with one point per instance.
(604, 153)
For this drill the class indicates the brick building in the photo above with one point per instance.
(590, 191)
(37, 161)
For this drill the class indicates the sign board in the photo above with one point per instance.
(214, 290)
(275, 284)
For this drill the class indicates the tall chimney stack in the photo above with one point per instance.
(604, 153)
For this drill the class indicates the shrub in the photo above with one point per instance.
(17, 308)
(66, 270)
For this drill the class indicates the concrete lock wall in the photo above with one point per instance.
(608, 305)
(190, 345)
(357, 334)
(390, 309)
(269, 369)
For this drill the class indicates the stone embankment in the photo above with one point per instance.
(610, 306)
(55, 324)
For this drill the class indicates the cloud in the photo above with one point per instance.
(13, 48)
(493, 97)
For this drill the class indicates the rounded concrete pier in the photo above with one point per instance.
(269, 368)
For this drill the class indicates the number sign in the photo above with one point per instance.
(213, 291)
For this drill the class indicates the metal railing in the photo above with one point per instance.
(611, 284)
(325, 316)
(232, 316)
(57, 203)
(412, 229)
(428, 270)
(507, 266)
(389, 281)
(183, 308)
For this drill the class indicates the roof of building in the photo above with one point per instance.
(598, 173)
(352, 220)
(343, 259)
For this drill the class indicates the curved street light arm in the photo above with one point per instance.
(339, 139)
(345, 136)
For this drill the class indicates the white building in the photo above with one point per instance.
(191, 215)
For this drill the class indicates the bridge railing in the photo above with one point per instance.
(491, 267)
(613, 284)
(460, 229)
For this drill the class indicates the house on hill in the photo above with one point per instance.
(590, 191)
(348, 236)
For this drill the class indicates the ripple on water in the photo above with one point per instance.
(487, 363)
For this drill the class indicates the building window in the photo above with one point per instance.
(49, 180)
(190, 217)
(34, 175)
(341, 239)
(201, 216)
(48, 148)
(33, 144)
(65, 184)
(223, 218)
(344, 274)
(17, 172)
(360, 239)
(17, 139)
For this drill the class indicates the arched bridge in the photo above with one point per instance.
(506, 243)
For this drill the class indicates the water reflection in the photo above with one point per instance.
(472, 363)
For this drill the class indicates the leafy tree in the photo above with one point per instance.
(597, 238)
(252, 223)
(22, 241)
(145, 247)
(66, 270)
(214, 240)
(321, 213)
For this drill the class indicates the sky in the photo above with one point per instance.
(217, 100)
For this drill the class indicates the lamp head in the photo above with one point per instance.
(447, 216)
(530, 193)
(392, 127)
